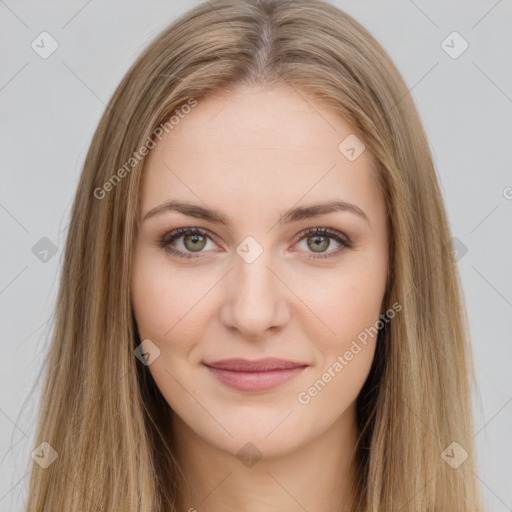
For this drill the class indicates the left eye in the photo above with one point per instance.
(195, 240)
(320, 238)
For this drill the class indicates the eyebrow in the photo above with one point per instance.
(293, 215)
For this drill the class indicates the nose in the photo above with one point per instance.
(255, 304)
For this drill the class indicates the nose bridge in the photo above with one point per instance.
(253, 278)
(255, 301)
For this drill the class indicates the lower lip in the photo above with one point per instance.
(255, 381)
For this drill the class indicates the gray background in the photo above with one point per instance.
(50, 108)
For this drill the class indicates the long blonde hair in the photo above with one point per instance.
(101, 411)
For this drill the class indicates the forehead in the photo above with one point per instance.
(258, 148)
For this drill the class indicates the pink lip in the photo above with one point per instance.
(260, 365)
(244, 375)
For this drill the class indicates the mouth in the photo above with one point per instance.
(261, 375)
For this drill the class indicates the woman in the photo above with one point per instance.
(259, 308)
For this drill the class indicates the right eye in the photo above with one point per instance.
(194, 240)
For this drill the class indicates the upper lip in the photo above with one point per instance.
(261, 365)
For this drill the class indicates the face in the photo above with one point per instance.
(245, 268)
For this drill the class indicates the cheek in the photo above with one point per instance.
(341, 321)
(154, 307)
(342, 303)
(163, 304)
(170, 305)
(344, 332)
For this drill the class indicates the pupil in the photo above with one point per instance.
(195, 239)
(319, 241)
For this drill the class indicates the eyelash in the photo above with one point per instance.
(168, 238)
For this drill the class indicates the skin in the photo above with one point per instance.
(252, 154)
